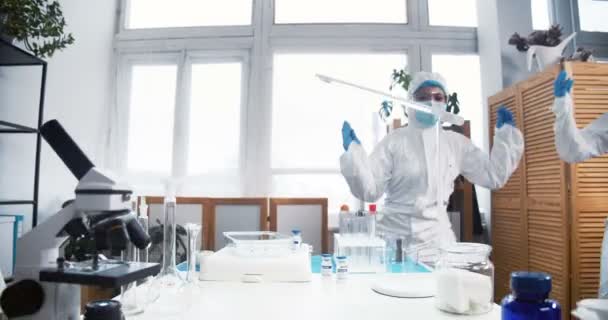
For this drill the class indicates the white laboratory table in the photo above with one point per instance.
(323, 298)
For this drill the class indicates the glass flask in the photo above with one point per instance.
(169, 276)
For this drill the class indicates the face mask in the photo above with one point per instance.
(427, 119)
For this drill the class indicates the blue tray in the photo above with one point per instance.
(315, 264)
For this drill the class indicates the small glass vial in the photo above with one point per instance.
(296, 237)
(465, 279)
(341, 267)
(326, 265)
(529, 298)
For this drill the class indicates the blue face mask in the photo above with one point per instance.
(426, 119)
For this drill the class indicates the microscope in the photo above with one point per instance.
(46, 287)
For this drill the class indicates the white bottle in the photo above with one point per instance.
(296, 237)
(326, 265)
(341, 267)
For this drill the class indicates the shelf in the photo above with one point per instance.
(15, 128)
(16, 202)
(10, 55)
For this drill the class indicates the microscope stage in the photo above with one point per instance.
(109, 276)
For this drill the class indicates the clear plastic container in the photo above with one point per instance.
(360, 223)
(465, 279)
(365, 254)
(259, 243)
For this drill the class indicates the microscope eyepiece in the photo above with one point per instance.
(65, 147)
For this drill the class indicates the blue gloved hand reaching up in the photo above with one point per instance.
(562, 84)
(348, 135)
(504, 116)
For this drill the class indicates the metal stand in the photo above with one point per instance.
(12, 56)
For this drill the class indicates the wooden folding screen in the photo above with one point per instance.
(589, 182)
(550, 215)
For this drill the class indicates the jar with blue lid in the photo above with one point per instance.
(529, 298)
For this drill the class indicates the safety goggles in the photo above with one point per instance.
(430, 96)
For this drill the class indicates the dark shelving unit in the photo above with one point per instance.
(12, 56)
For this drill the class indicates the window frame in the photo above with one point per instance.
(263, 38)
(567, 12)
(183, 60)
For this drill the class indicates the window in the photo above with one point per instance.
(222, 95)
(592, 14)
(461, 13)
(540, 15)
(152, 105)
(196, 140)
(340, 11)
(463, 75)
(187, 13)
(214, 118)
(308, 115)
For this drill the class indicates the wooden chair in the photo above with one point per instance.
(307, 214)
(235, 214)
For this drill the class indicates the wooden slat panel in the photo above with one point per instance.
(547, 220)
(509, 240)
(549, 248)
(589, 183)
(587, 241)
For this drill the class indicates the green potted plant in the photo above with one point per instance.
(39, 24)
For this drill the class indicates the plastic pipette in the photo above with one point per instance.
(442, 114)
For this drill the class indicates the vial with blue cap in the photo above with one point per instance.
(326, 265)
(529, 298)
(341, 267)
(296, 236)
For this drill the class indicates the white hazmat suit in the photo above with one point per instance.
(403, 166)
(574, 145)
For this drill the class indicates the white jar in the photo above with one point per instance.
(465, 279)
(341, 267)
(326, 265)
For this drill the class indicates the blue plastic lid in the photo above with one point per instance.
(326, 255)
(295, 231)
(341, 257)
(531, 285)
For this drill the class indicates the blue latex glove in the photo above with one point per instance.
(348, 135)
(562, 84)
(504, 116)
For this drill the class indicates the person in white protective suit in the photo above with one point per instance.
(574, 145)
(418, 182)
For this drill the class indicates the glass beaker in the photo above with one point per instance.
(394, 253)
(193, 230)
(128, 296)
(465, 279)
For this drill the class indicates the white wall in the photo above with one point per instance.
(78, 90)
